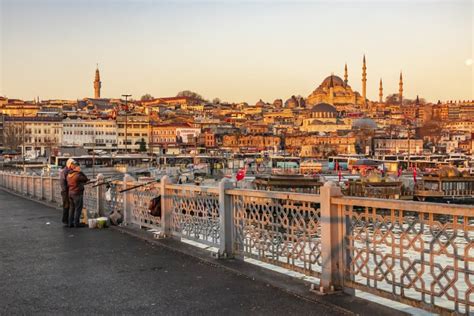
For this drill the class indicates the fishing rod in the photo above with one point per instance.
(140, 185)
(116, 177)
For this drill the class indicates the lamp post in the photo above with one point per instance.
(126, 96)
(23, 135)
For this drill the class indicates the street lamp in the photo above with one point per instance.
(126, 96)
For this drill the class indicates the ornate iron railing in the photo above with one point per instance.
(140, 200)
(194, 213)
(278, 228)
(421, 254)
(417, 253)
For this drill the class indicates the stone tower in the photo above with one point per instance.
(380, 91)
(97, 84)
(346, 76)
(400, 89)
(364, 82)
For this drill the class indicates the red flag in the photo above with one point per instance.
(400, 172)
(340, 175)
(414, 174)
(241, 174)
(336, 166)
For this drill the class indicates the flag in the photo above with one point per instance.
(336, 165)
(414, 174)
(241, 174)
(400, 171)
(339, 174)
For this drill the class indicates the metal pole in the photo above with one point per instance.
(409, 130)
(126, 120)
(23, 135)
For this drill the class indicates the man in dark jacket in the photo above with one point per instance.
(64, 190)
(76, 180)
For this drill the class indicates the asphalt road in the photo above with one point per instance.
(46, 268)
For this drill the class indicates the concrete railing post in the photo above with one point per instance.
(127, 200)
(24, 184)
(33, 186)
(166, 211)
(41, 197)
(332, 239)
(51, 193)
(226, 220)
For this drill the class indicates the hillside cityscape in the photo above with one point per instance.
(236, 157)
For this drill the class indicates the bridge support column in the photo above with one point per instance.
(332, 240)
(226, 221)
(166, 211)
(127, 200)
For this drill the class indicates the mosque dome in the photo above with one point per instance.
(323, 108)
(291, 102)
(278, 103)
(260, 103)
(336, 81)
(364, 123)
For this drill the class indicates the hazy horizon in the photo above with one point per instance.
(237, 51)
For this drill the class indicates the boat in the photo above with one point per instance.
(446, 184)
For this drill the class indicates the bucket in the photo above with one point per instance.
(92, 223)
(101, 222)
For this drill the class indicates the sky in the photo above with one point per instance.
(235, 50)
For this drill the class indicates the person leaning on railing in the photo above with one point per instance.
(63, 173)
(76, 180)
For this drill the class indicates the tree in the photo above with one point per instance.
(190, 94)
(12, 138)
(146, 97)
(216, 101)
(142, 145)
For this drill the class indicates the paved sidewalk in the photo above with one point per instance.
(46, 268)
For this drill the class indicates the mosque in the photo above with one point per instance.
(337, 92)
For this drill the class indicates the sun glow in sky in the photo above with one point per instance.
(234, 50)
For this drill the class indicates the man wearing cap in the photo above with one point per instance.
(64, 190)
(76, 180)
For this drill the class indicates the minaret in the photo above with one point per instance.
(345, 75)
(400, 89)
(97, 84)
(380, 91)
(364, 82)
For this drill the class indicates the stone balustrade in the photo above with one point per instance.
(420, 254)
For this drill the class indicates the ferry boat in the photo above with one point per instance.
(447, 184)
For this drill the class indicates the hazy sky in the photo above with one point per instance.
(235, 50)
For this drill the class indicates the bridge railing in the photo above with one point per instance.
(421, 254)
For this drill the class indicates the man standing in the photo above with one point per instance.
(64, 190)
(76, 180)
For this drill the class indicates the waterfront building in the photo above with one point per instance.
(133, 132)
(42, 135)
(315, 145)
(390, 146)
(90, 134)
(251, 143)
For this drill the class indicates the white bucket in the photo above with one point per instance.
(92, 223)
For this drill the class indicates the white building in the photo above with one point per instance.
(187, 135)
(42, 135)
(90, 134)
